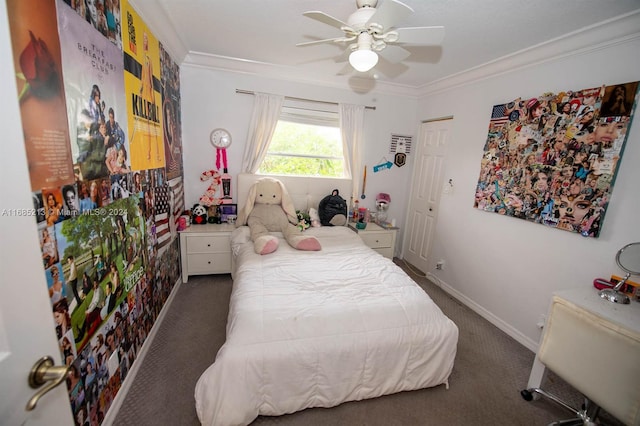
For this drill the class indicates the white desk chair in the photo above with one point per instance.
(600, 359)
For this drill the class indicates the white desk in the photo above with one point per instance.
(587, 297)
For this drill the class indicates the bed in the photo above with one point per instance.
(316, 329)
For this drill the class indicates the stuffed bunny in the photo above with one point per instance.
(269, 209)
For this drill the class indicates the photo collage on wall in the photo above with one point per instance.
(553, 159)
(100, 108)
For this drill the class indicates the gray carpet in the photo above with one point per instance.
(489, 372)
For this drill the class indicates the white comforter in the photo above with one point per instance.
(315, 329)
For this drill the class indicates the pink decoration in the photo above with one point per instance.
(209, 197)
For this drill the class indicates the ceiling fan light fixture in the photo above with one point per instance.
(363, 59)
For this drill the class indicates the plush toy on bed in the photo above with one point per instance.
(314, 217)
(269, 209)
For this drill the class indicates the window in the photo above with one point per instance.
(306, 142)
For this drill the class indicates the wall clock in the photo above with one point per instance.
(220, 138)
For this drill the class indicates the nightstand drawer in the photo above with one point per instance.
(382, 240)
(208, 244)
(386, 252)
(377, 240)
(209, 263)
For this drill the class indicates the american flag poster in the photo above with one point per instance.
(553, 159)
(163, 233)
(176, 188)
(169, 204)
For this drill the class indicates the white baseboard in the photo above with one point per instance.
(512, 332)
(111, 414)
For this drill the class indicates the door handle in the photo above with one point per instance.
(44, 371)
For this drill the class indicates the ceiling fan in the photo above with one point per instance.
(372, 30)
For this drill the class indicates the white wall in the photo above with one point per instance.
(209, 101)
(507, 268)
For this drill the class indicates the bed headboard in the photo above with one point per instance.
(305, 192)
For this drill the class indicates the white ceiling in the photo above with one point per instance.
(259, 36)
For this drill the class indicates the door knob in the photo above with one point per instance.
(44, 371)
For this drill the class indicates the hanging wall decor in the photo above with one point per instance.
(553, 159)
(400, 146)
(400, 143)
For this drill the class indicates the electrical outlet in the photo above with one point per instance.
(440, 265)
(541, 320)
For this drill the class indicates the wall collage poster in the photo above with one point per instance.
(553, 159)
(100, 108)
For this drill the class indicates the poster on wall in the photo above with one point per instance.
(37, 63)
(143, 91)
(96, 106)
(102, 15)
(168, 206)
(171, 114)
(553, 159)
(108, 255)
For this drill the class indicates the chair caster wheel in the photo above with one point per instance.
(526, 395)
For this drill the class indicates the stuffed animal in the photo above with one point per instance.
(269, 209)
(314, 217)
(304, 221)
(199, 214)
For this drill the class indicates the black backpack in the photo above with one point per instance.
(330, 206)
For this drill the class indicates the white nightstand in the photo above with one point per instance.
(205, 249)
(382, 240)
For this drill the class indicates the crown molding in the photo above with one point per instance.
(619, 30)
(290, 73)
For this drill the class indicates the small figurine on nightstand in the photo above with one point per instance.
(214, 214)
(382, 203)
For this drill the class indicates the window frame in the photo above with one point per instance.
(297, 113)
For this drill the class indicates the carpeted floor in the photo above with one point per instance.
(489, 372)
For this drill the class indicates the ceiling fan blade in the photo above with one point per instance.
(327, 40)
(394, 54)
(325, 19)
(389, 13)
(389, 69)
(421, 35)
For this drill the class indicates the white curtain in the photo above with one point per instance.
(266, 112)
(352, 129)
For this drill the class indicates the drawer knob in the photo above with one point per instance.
(209, 262)
(208, 245)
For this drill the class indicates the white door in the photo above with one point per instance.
(27, 329)
(426, 187)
